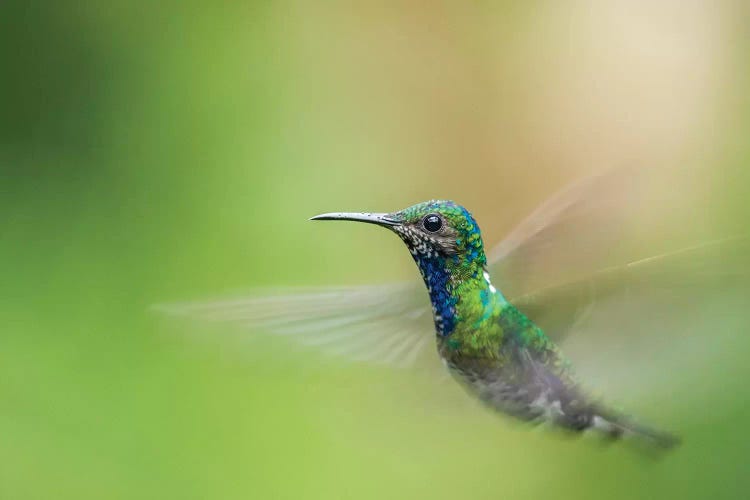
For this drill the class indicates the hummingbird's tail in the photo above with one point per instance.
(620, 426)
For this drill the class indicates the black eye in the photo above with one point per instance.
(432, 223)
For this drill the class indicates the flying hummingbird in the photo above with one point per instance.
(502, 348)
(486, 342)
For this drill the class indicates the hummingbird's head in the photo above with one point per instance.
(439, 229)
(445, 242)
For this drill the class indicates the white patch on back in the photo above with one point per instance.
(487, 279)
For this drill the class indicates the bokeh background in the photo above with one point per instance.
(153, 152)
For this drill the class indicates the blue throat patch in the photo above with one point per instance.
(437, 278)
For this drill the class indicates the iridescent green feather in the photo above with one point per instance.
(485, 322)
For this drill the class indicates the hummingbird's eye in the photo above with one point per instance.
(432, 223)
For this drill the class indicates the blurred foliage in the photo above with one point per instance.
(156, 152)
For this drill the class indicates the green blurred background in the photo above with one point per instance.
(160, 152)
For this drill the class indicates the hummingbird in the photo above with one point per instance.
(488, 345)
(560, 270)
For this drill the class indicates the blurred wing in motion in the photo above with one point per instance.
(607, 233)
(381, 324)
(604, 220)
(692, 273)
(628, 269)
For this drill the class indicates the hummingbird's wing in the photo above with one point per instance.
(710, 267)
(605, 234)
(628, 269)
(388, 324)
(601, 221)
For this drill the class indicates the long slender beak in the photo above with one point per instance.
(379, 219)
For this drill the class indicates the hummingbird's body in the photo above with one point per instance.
(493, 349)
